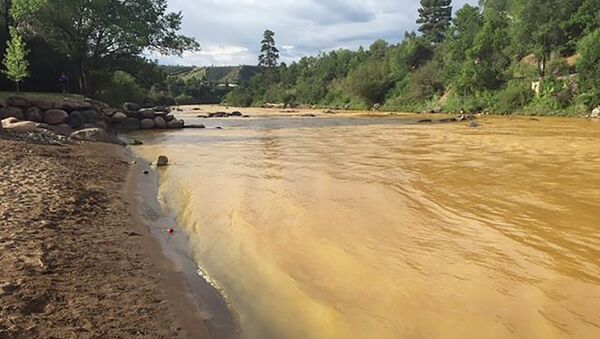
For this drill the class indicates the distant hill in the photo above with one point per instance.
(214, 75)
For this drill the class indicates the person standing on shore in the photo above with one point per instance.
(63, 80)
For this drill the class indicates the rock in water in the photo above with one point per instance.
(95, 135)
(147, 123)
(473, 124)
(34, 114)
(55, 116)
(176, 124)
(160, 122)
(162, 161)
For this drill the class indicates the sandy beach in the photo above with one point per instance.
(73, 262)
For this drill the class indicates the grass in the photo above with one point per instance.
(40, 95)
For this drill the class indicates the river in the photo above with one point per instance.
(378, 227)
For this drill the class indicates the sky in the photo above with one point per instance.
(230, 31)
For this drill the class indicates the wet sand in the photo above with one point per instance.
(74, 263)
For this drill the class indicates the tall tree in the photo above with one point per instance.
(269, 53)
(434, 18)
(15, 60)
(101, 35)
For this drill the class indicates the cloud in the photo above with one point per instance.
(230, 31)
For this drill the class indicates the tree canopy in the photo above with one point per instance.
(269, 54)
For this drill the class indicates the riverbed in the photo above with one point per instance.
(361, 226)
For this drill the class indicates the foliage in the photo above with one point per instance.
(15, 60)
(269, 53)
(369, 82)
(589, 69)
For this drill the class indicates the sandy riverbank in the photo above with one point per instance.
(73, 261)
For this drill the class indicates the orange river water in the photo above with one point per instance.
(378, 227)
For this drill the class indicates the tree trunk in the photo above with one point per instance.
(18, 87)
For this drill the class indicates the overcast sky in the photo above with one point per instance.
(229, 31)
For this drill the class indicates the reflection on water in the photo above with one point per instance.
(375, 228)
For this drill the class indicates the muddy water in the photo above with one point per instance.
(380, 228)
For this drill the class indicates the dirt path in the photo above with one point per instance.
(72, 264)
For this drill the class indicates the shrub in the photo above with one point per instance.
(589, 69)
(515, 96)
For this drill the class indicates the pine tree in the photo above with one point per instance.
(434, 18)
(269, 53)
(15, 59)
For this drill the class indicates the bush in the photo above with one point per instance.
(122, 88)
(515, 96)
(369, 82)
(240, 97)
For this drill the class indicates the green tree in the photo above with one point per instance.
(269, 53)
(101, 34)
(434, 18)
(589, 69)
(15, 59)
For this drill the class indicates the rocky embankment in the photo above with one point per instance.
(84, 119)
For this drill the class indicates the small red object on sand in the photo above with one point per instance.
(171, 231)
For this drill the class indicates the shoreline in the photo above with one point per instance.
(198, 299)
(76, 260)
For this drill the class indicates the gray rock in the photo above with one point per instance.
(109, 112)
(44, 105)
(91, 116)
(174, 124)
(55, 116)
(70, 105)
(101, 124)
(129, 124)
(34, 114)
(95, 135)
(18, 102)
(163, 109)
(169, 117)
(595, 113)
(75, 119)
(118, 117)
(160, 122)
(147, 113)
(162, 161)
(131, 107)
(147, 123)
(11, 112)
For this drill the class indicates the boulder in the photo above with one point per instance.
(162, 161)
(129, 124)
(75, 119)
(55, 116)
(163, 109)
(160, 122)
(169, 117)
(147, 113)
(98, 105)
(14, 125)
(70, 105)
(131, 107)
(95, 135)
(91, 116)
(34, 114)
(118, 117)
(236, 114)
(174, 124)
(44, 105)
(109, 112)
(11, 112)
(101, 124)
(595, 113)
(147, 123)
(18, 102)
